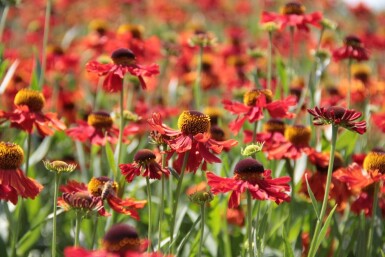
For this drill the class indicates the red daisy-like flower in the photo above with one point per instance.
(293, 15)
(98, 129)
(272, 136)
(193, 137)
(296, 141)
(143, 159)
(338, 116)
(379, 121)
(124, 61)
(353, 49)
(250, 175)
(254, 101)
(28, 113)
(105, 189)
(13, 182)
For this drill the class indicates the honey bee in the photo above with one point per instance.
(107, 189)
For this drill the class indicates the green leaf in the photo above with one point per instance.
(382, 253)
(324, 228)
(347, 141)
(312, 197)
(35, 78)
(187, 236)
(174, 173)
(111, 160)
(288, 249)
(8, 76)
(282, 74)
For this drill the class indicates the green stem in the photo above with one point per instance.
(249, 224)
(16, 228)
(176, 200)
(56, 192)
(255, 132)
(313, 249)
(349, 84)
(197, 85)
(121, 125)
(77, 228)
(291, 60)
(269, 60)
(202, 228)
(94, 232)
(149, 213)
(372, 221)
(45, 42)
(161, 207)
(29, 139)
(2, 21)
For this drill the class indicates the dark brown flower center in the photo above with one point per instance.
(250, 98)
(123, 57)
(31, 98)
(81, 200)
(120, 239)
(193, 122)
(144, 156)
(101, 120)
(274, 125)
(11, 156)
(375, 161)
(249, 170)
(217, 133)
(293, 8)
(353, 41)
(336, 111)
(298, 135)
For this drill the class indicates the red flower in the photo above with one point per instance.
(338, 116)
(124, 61)
(379, 121)
(250, 175)
(29, 104)
(13, 182)
(293, 15)
(98, 129)
(252, 107)
(193, 136)
(143, 159)
(352, 49)
(105, 189)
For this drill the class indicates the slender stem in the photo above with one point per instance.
(45, 42)
(77, 228)
(313, 250)
(160, 89)
(176, 200)
(94, 232)
(149, 213)
(291, 60)
(121, 126)
(16, 228)
(255, 132)
(372, 221)
(349, 83)
(202, 228)
(161, 207)
(2, 21)
(197, 85)
(56, 192)
(249, 224)
(269, 60)
(29, 139)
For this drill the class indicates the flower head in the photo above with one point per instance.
(338, 116)
(144, 159)
(13, 182)
(59, 166)
(353, 49)
(121, 238)
(81, 201)
(375, 161)
(250, 174)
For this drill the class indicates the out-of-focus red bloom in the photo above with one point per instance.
(193, 137)
(293, 15)
(98, 129)
(353, 49)
(338, 116)
(250, 175)
(235, 216)
(143, 159)
(379, 121)
(296, 142)
(124, 61)
(28, 113)
(254, 102)
(106, 189)
(13, 182)
(272, 136)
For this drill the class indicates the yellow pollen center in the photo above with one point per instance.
(293, 8)
(100, 120)
(31, 98)
(11, 156)
(375, 161)
(298, 135)
(193, 122)
(96, 186)
(250, 97)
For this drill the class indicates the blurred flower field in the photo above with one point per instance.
(136, 128)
